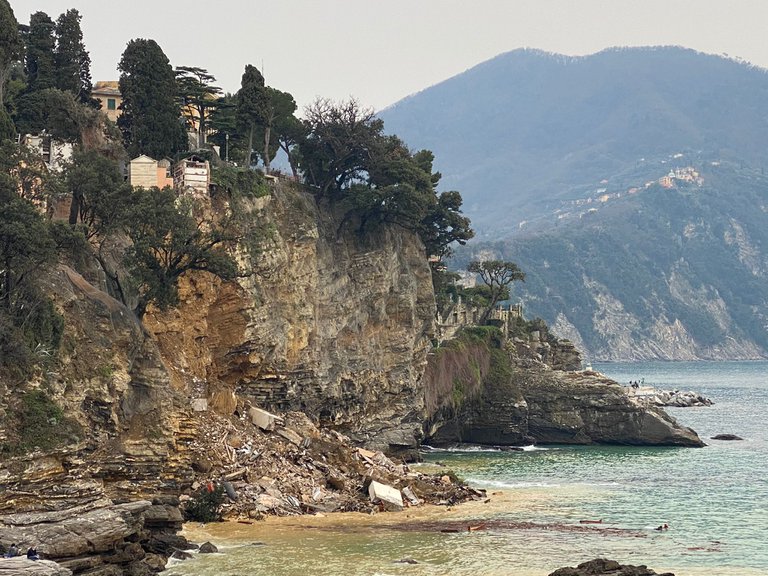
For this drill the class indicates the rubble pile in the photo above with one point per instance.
(286, 465)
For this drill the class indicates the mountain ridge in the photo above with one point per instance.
(629, 185)
(505, 136)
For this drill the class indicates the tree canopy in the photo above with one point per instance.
(41, 46)
(169, 241)
(498, 275)
(375, 178)
(337, 149)
(73, 64)
(150, 121)
(252, 105)
(11, 47)
(198, 98)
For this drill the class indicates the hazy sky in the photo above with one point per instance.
(380, 51)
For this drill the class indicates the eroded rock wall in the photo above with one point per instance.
(522, 400)
(330, 323)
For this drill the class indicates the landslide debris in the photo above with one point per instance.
(300, 468)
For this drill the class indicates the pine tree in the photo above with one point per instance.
(41, 45)
(73, 64)
(150, 121)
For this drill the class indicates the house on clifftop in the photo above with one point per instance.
(107, 92)
(192, 176)
(146, 172)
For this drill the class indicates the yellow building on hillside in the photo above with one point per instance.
(108, 93)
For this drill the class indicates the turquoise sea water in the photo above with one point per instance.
(714, 499)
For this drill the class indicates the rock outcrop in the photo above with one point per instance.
(674, 398)
(22, 567)
(602, 567)
(97, 538)
(510, 397)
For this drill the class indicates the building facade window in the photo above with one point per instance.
(111, 104)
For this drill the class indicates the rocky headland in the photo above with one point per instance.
(333, 335)
(664, 398)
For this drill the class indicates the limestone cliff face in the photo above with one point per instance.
(328, 323)
(663, 337)
(111, 382)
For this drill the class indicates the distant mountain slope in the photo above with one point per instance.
(526, 131)
(664, 273)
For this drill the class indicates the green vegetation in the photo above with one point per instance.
(497, 277)
(252, 103)
(197, 98)
(239, 183)
(41, 425)
(168, 239)
(686, 254)
(150, 118)
(204, 506)
(375, 179)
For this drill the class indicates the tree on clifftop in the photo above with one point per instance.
(41, 45)
(279, 121)
(252, 104)
(497, 275)
(169, 241)
(11, 48)
(375, 178)
(198, 98)
(338, 148)
(150, 121)
(73, 64)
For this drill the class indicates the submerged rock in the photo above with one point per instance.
(727, 437)
(603, 567)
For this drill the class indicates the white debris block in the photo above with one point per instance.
(390, 496)
(200, 405)
(263, 419)
(290, 435)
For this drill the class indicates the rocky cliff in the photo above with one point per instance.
(330, 323)
(490, 391)
(326, 322)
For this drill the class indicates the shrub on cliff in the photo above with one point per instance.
(41, 425)
(204, 506)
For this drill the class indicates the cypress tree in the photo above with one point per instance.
(150, 121)
(252, 103)
(41, 45)
(73, 64)
(11, 47)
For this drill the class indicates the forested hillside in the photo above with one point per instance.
(526, 131)
(672, 273)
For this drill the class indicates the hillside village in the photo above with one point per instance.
(601, 196)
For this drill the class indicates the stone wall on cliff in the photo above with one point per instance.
(330, 322)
